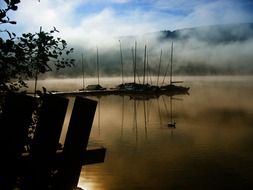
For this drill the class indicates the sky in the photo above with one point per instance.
(93, 22)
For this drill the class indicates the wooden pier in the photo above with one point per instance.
(45, 166)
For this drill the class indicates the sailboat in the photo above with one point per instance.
(140, 90)
(171, 88)
(133, 89)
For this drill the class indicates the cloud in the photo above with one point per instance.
(32, 14)
(219, 12)
(120, 1)
(103, 26)
(206, 12)
(98, 28)
(179, 5)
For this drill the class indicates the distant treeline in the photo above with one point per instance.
(215, 34)
(204, 69)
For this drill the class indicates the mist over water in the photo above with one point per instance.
(206, 50)
(211, 145)
(210, 148)
(210, 37)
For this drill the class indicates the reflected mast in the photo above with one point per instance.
(171, 60)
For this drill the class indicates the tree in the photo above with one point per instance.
(40, 53)
(11, 5)
(23, 58)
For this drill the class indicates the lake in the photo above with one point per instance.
(210, 148)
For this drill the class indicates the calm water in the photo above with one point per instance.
(210, 148)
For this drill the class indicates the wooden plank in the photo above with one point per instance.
(50, 123)
(15, 120)
(76, 141)
(94, 156)
(46, 140)
(89, 156)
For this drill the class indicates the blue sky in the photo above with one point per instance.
(100, 21)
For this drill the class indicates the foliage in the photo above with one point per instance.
(11, 5)
(25, 57)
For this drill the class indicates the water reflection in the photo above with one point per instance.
(124, 125)
(210, 148)
(134, 115)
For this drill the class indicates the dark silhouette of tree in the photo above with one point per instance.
(23, 58)
(40, 53)
(10, 5)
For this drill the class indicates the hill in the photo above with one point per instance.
(214, 34)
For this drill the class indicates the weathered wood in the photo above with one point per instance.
(89, 156)
(76, 141)
(14, 124)
(46, 140)
(94, 156)
(16, 118)
(49, 127)
(44, 158)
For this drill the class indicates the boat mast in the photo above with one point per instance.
(135, 49)
(171, 59)
(144, 71)
(159, 67)
(83, 70)
(149, 72)
(133, 62)
(121, 60)
(98, 66)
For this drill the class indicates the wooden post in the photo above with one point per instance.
(46, 140)
(15, 120)
(76, 142)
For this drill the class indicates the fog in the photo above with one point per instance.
(206, 38)
(210, 50)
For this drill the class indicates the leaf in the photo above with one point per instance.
(8, 33)
(14, 7)
(13, 2)
(7, 2)
(16, 1)
(2, 15)
(13, 22)
(56, 30)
